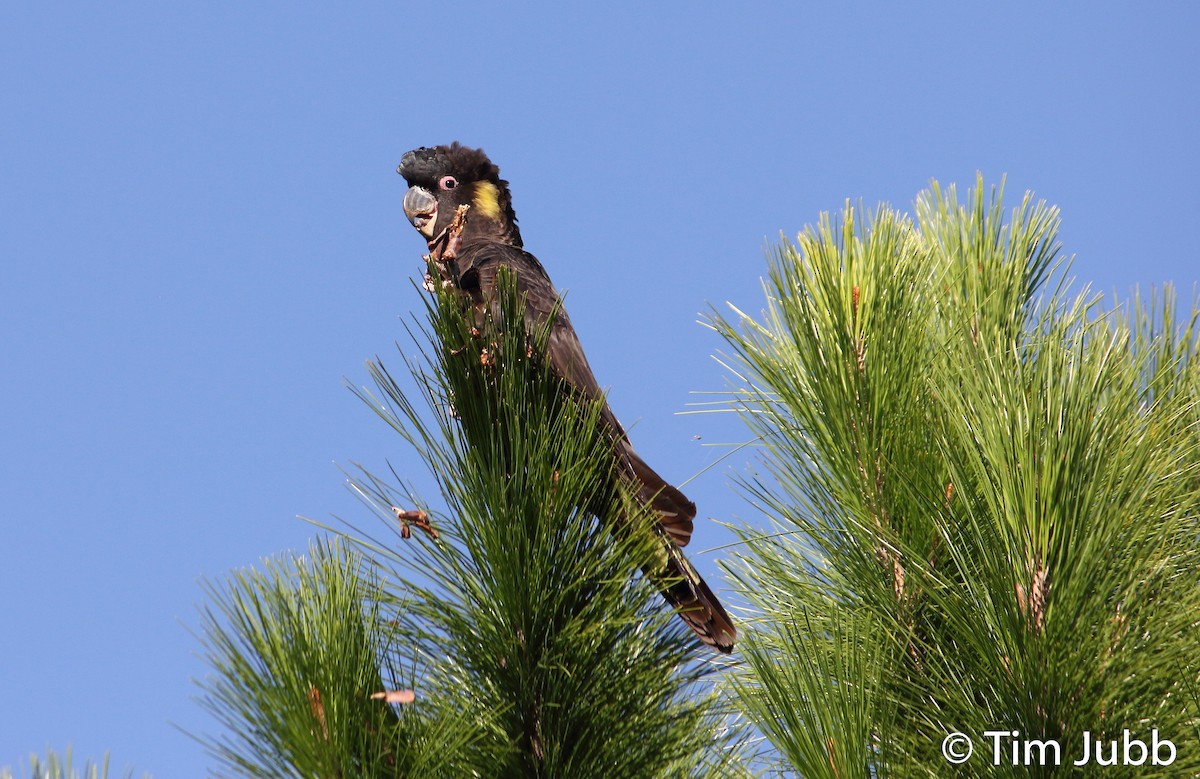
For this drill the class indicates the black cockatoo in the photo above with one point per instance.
(484, 237)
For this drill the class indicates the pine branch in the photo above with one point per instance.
(985, 479)
(533, 610)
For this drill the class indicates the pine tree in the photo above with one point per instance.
(984, 491)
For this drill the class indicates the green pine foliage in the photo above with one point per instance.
(296, 650)
(531, 646)
(531, 614)
(56, 767)
(983, 491)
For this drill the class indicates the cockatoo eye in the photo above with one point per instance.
(448, 182)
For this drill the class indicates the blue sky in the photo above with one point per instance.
(202, 241)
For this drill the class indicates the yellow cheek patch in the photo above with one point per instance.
(487, 199)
